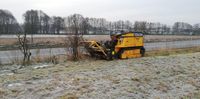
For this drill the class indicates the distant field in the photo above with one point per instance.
(59, 39)
(161, 38)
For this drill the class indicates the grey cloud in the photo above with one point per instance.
(165, 11)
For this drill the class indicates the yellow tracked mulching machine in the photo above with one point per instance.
(121, 46)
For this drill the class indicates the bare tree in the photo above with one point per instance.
(182, 28)
(8, 23)
(140, 26)
(24, 48)
(31, 23)
(98, 25)
(43, 23)
(57, 24)
(86, 26)
(150, 28)
(128, 25)
(75, 24)
(196, 29)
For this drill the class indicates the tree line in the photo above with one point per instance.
(38, 22)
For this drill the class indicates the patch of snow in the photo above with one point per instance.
(8, 74)
(41, 66)
(15, 84)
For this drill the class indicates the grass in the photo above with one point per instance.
(68, 96)
(164, 52)
(192, 96)
(72, 67)
(2, 93)
(29, 73)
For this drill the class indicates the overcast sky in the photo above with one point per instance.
(164, 11)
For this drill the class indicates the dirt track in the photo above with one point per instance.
(160, 77)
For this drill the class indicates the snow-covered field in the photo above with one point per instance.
(159, 77)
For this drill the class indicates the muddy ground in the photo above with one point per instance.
(159, 77)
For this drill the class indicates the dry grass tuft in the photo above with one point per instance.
(167, 52)
(162, 87)
(68, 96)
(2, 93)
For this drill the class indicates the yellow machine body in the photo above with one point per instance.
(122, 46)
(129, 40)
(131, 54)
(131, 44)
